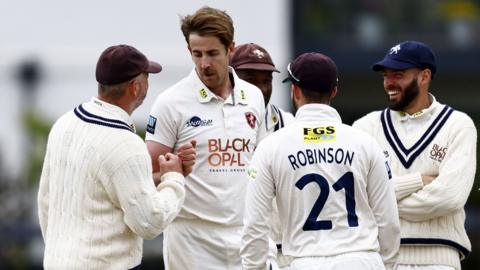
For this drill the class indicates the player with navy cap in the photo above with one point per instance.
(330, 181)
(432, 151)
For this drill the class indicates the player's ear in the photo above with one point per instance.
(133, 87)
(231, 49)
(297, 92)
(334, 93)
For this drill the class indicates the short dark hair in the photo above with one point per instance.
(316, 95)
(115, 91)
(209, 21)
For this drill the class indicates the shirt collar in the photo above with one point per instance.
(204, 94)
(425, 113)
(271, 117)
(317, 111)
(109, 110)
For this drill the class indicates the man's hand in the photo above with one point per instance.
(187, 154)
(168, 163)
(427, 179)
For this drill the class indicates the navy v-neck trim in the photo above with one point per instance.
(408, 156)
(88, 117)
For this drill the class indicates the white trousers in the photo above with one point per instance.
(350, 261)
(199, 245)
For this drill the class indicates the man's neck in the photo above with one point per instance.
(225, 90)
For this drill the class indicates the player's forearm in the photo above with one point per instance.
(436, 199)
(158, 209)
(254, 251)
(407, 184)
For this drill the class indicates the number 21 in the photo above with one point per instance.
(345, 182)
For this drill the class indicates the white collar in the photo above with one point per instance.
(317, 111)
(205, 95)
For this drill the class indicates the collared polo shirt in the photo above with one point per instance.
(226, 135)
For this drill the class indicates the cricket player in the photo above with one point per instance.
(97, 197)
(432, 151)
(331, 183)
(254, 64)
(223, 113)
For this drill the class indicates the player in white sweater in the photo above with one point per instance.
(432, 150)
(331, 183)
(97, 198)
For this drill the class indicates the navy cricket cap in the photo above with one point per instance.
(313, 71)
(408, 54)
(121, 63)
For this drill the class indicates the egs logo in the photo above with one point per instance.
(319, 134)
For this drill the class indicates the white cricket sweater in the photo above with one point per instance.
(437, 141)
(97, 199)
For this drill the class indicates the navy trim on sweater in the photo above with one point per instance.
(81, 113)
(408, 156)
(436, 241)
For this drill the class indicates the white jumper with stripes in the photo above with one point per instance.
(437, 141)
(97, 199)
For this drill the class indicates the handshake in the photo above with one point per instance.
(182, 162)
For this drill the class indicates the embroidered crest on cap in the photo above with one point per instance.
(395, 49)
(259, 53)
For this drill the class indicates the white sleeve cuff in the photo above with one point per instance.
(172, 179)
(407, 184)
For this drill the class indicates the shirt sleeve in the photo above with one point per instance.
(162, 125)
(147, 209)
(258, 209)
(382, 200)
(450, 189)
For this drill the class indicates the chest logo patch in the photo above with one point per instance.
(196, 121)
(251, 119)
(438, 152)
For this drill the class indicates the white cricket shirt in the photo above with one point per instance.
(332, 189)
(226, 134)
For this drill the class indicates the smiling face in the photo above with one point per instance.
(211, 61)
(402, 88)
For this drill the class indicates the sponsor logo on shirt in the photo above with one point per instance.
(438, 153)
(152, 122)
(203, 93)
(252, 173)
(319, 134)
(196, 121)
(242, 95)
(389, 171)
(229, 152)
(251, 119)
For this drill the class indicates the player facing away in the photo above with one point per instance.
(331, 183)
(432, 151)
(223, 113)
(254, 64)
